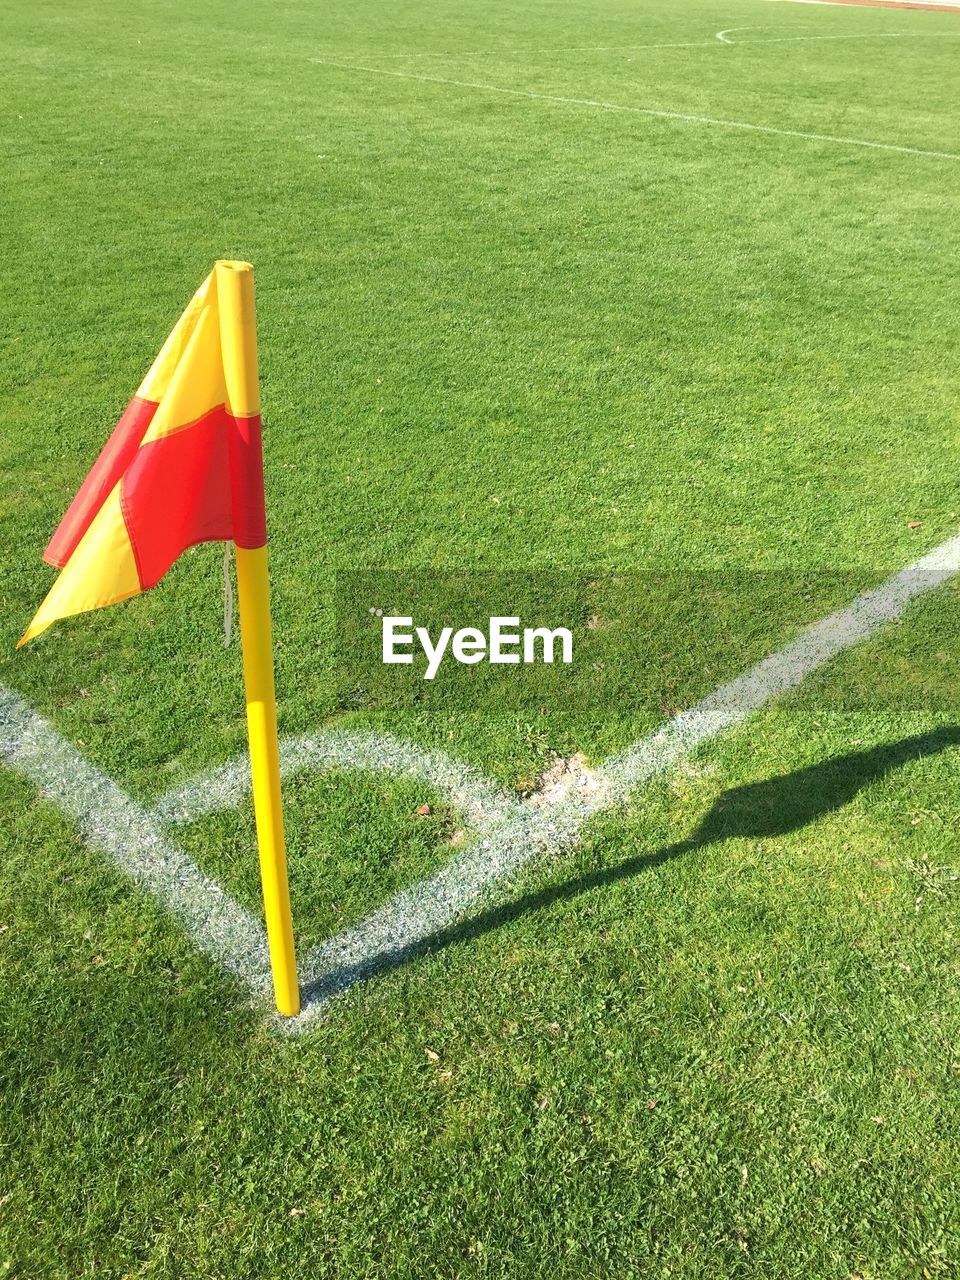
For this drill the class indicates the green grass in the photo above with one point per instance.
(719, 1038)
(351, 843)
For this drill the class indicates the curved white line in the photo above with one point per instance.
(722, 35)
(480, 802)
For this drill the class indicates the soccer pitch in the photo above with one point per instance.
(663, 986)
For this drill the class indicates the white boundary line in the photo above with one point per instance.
(680, 116)
(513, 832)
(873, 35)
(568, 48)
(453, 55)
(943, 6)
(110, 821)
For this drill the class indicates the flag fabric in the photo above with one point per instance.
(183, 465)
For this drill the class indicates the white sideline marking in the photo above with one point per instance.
(515, 832)
(453, 55)
(112, 822)
(563, 48)
(644, 111)
(904, 4)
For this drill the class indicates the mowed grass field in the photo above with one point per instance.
(507, 321)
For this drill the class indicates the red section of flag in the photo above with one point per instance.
(201, 483)
(246, 482)
(114, 459)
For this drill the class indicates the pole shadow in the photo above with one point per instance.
(756, 810)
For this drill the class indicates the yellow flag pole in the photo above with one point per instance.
(239, 347)
(253, 591)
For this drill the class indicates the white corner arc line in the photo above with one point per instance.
(679, 116)
(479, 801)
(873, 35)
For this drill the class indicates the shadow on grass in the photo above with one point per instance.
(757, 810)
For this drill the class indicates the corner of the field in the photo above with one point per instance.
(292, 1028)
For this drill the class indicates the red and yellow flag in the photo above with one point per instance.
(183, 465)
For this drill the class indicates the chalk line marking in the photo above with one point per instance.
(453, 55)
(728, 31)
(513, 832)
(110, 821)
(945, 6)
(679, 116)
(873, 35)
(472, 795)
(564, 48)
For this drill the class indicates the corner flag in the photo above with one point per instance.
(183, 466)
